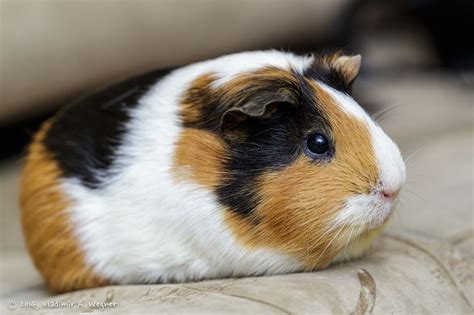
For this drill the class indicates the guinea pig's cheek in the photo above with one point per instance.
(297, 208)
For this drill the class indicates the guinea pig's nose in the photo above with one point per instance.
(390, 194)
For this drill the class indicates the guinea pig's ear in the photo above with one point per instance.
(234, 122)
(348, 66)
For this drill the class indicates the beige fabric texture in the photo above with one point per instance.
(423, 262)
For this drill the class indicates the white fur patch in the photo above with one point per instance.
(229, 66)
(371, 209)
(143, 226)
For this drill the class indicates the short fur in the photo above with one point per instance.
(201, 173)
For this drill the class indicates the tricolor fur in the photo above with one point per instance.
(200, 173)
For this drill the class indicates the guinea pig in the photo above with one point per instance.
(255, 163)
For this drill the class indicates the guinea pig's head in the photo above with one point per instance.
(296, 164)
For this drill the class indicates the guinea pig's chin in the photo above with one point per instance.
(364, 217)
(358, 246)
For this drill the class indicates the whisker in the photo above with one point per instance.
(411, 155)
(332, 240)
(414, 194)
(347, 242)
(383, 111)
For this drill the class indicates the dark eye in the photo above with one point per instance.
(317, 146)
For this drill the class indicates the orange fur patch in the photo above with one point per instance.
(199, 156)
(197, 94)
(258, 80)
(46, 226)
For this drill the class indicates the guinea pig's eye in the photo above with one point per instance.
(316, 146)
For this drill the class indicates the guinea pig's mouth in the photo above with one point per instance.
(366, 211)
(381, 212)
(366, 224)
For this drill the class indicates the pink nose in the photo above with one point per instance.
(390, 193)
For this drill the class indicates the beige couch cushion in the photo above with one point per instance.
(405, 274)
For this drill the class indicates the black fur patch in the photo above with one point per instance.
(85, 134)
(270, 142)
(329, 76)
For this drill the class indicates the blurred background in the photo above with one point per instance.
(52, 51)
(418, 61)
